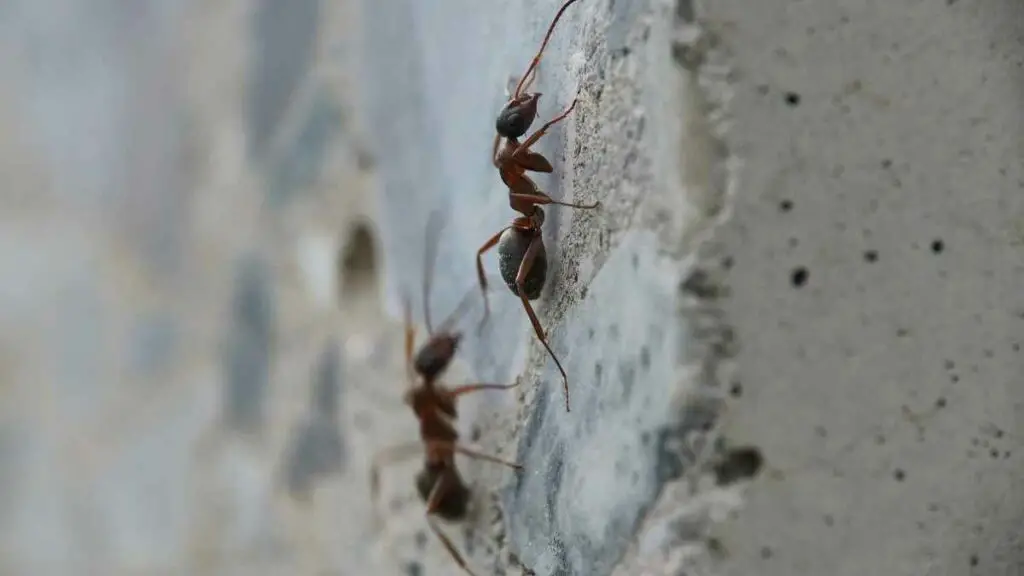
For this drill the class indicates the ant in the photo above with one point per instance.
(438, 483)
(522, 258)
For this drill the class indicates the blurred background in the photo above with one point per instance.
(183, 210)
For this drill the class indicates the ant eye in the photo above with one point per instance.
(512, 123)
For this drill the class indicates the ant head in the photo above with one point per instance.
(434, 356)
(517, 116)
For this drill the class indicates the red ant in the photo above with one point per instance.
(439, 483)
(522, 258)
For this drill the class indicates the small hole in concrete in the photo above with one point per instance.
(871, 256)
(974, 559)
(899, 474)
(886, 163)
(738, 464)
(357, 260)
(736, 390)
(941, 402)
(792, 99)
(766, 553)
(785, 205)
(938, 246)
(798, 277)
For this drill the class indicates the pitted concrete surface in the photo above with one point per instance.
(876, 260)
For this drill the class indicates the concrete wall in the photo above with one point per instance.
(882, 147)
(809, 245)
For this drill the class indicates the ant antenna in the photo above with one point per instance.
(543, 45)
(435, 223)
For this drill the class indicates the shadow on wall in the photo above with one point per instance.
(246, 361)
(316, 449)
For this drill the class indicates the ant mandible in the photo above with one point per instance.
(438, 483)
(522, 258)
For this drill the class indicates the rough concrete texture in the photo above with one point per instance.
(644, 140)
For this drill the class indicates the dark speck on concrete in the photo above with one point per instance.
(736, 389)
(740, 463)
(627, 378)
(798, 277)
(413, 569)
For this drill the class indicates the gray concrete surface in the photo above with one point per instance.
(882, 147)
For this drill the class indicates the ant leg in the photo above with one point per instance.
(524, 270)
(430, 245)
(410, 339)
(531, 76)
(532, 139)
(433, 503)
(491, 242)
(470, 388)
(442, 445)
(390, 455)
(494, 151)
(545, 199)
(481, 456)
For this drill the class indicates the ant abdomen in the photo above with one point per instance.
(512, 248)
(455, 502)
(516, 117)
(434, 357)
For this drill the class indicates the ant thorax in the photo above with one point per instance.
(430, 400)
